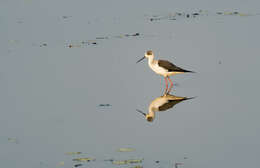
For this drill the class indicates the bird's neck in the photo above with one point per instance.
(151, 113)
(152, 109)
(151, 60)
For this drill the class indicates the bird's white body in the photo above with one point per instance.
(156, 103)
(153, 64)
(154, 106)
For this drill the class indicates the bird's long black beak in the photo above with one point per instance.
(141, 112)
(140, 59)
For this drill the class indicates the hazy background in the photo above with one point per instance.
(50, 93)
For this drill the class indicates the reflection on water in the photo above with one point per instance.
(162, 103)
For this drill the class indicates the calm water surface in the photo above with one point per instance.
(70, 83)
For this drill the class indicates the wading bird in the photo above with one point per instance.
(163, 67)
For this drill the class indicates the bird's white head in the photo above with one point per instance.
(148, 54)
(149, 117)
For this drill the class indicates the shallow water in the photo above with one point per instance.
(56, 98)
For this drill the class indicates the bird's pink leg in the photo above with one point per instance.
(166, 82)
(171, 84)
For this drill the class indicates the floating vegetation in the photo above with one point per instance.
(110, 160)
(104, 105)
(14, 41)
(102, 38)
(98, 39)
(131, 161)
(175, 16)
(84, 159)
(126, 149)
(79, 162)
(13, 140)
(136, 34)
(119, 162)
(82, 44)
(78, 165)
(43, 45)
(87, 43)
(177, 164)
(66, 17)
(124, 162)
(42, 165)
(19, 21)
(73, 153)
(181, 15)
(127, 35)
(137, 166)
(61, 163)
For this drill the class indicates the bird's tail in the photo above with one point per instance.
(188, 71)
(188, 98)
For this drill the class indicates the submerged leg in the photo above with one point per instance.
(171, 84)
(166, 85)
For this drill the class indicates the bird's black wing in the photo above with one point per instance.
(170, 66)
(169, 104)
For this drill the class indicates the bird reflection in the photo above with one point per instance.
(162, 103)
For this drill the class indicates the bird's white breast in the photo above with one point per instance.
(157, 103)
(157, 69)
